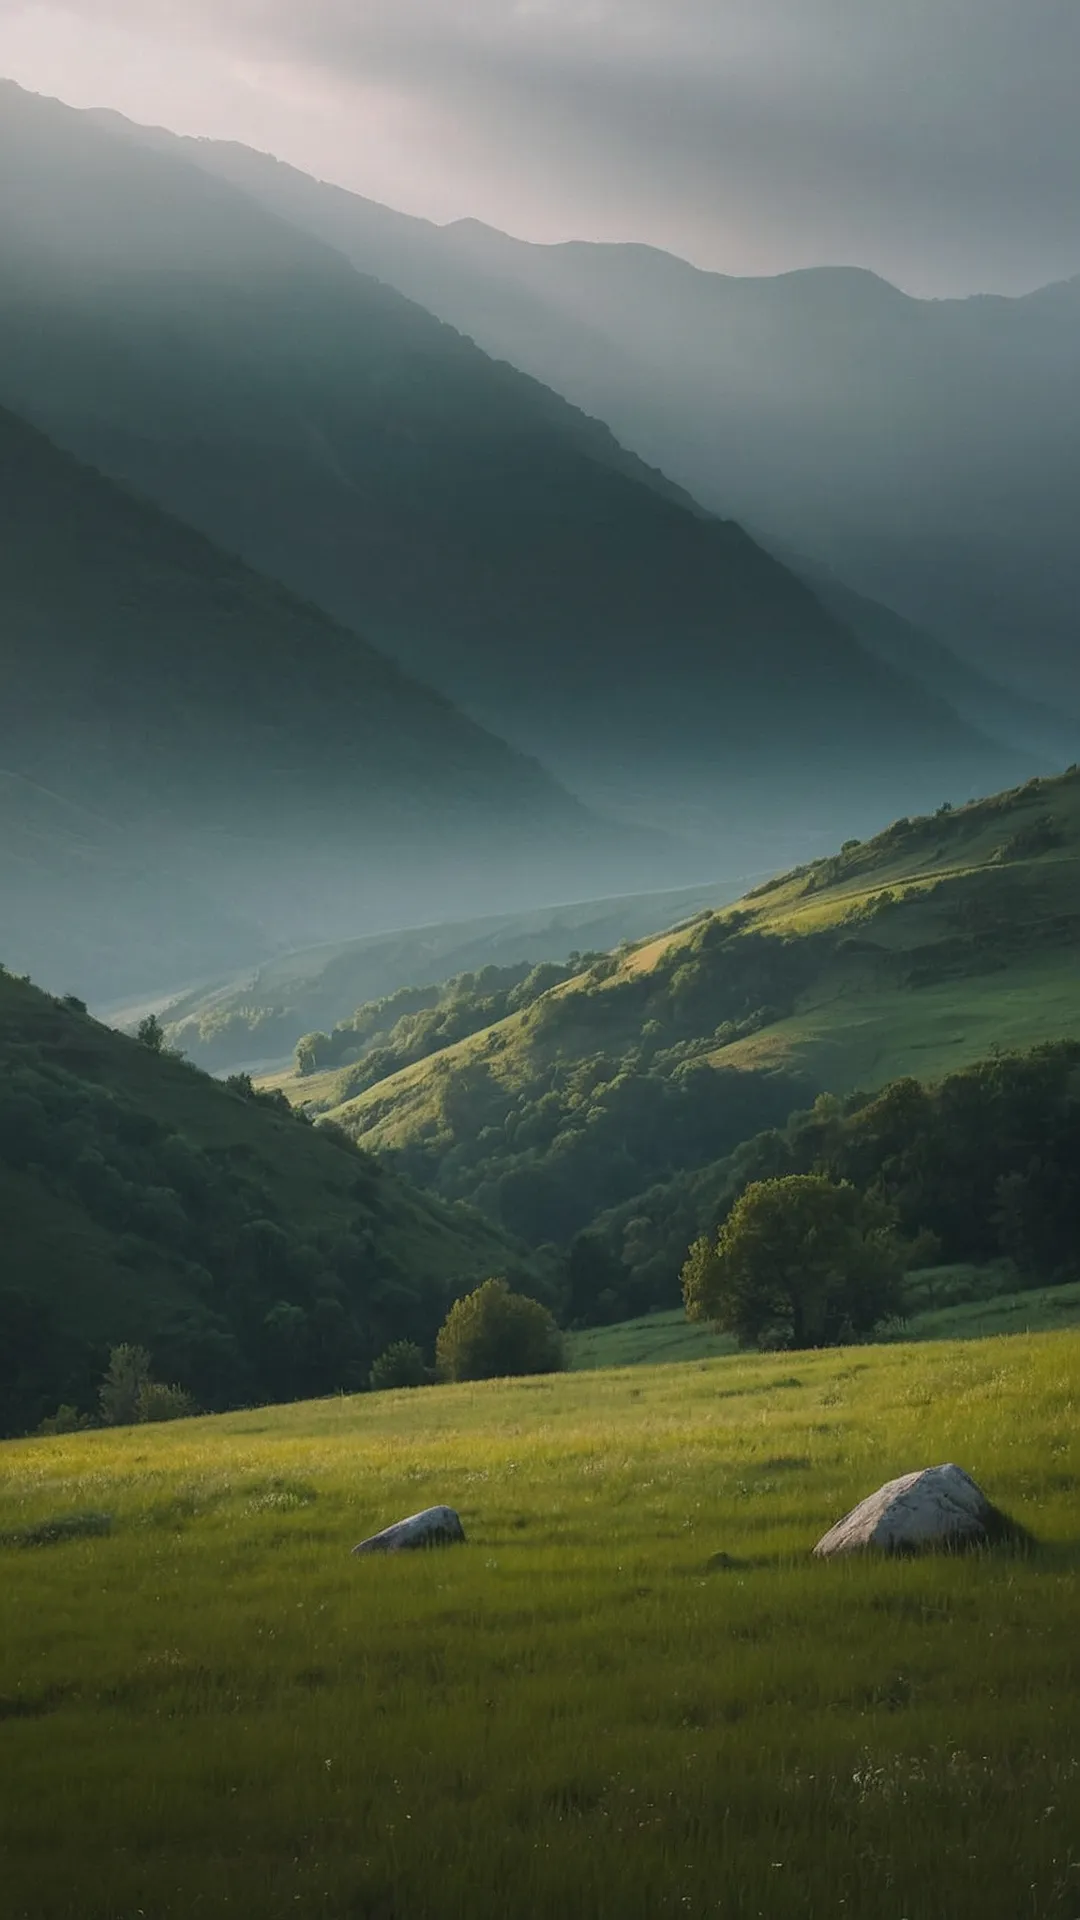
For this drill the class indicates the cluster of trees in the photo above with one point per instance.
(487, 1334)
(416, 1022)
(543, 1157)
(128, 1396)
(979, 1167)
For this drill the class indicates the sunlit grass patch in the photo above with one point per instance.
(631, 1692)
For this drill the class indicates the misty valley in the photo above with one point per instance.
(539, 1023)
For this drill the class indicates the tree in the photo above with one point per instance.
(127, 1373)
(493, 1332)
(401, 1365)
(799, 1262)
(151, 1034)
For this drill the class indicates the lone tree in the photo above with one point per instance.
(799, 1262)
(151, 1034)
(493, 1332)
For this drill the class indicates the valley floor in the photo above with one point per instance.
(211, 1709)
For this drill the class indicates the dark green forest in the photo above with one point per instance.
(257, 1257)
(979, 1167)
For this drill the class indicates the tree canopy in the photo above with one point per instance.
(799, 1262)
(492, 1332)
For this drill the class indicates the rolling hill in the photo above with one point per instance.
(492, 538)
(926, 451)
(255, 1017)
(915, 953)
(195, 765)
(253, 1256)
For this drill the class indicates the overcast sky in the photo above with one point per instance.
(937, 141)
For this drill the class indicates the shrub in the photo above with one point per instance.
(493, 1332)
(158, 1402)
(799, 1261)
(401, 1365)
(66, 1419)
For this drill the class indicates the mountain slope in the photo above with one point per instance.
(469, 521)
(257, 1016)
(916, 952)
(927, 451)
(190, 755)
(144, 1202)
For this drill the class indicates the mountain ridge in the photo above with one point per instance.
(705, 383)
(494, 539)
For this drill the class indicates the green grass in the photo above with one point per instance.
(213, 1710)
(989, 923)
(657, 1339)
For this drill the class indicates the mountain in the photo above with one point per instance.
(1031, 727)
(194, 764)
(926, 451)
(142, 1202)
(495, 540)
(915, 953)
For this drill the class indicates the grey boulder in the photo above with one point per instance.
(936, 1507)
(435, 1527)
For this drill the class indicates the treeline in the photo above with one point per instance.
(980, 1167)
(609, 1087)
(543, 1160)
(415, 1022)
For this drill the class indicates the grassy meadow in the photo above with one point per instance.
(657, 1339)
(211, 1709)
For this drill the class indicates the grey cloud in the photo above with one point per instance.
(934, 139)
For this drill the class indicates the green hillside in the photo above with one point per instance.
(253, 1255)
(258, 1016)
(631, 1695)
(918, 952)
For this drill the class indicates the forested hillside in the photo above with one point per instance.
(259, 1015)
(492, 538)
(256, 1257)
(976, 1169)
(912, 954)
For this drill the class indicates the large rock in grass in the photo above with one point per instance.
(435, 1527)
(938, 1507)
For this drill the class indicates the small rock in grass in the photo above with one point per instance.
(937, 1507)
(435, 1527)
